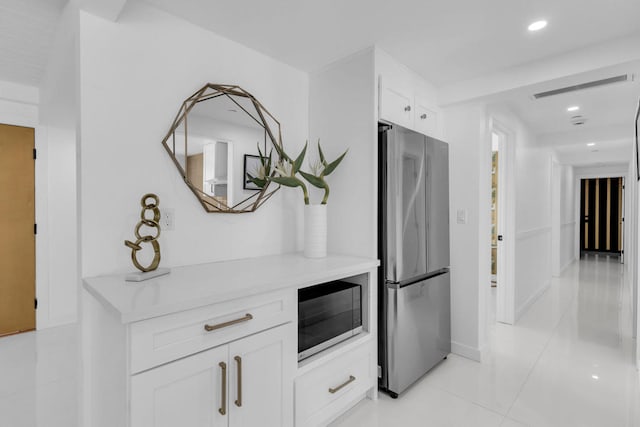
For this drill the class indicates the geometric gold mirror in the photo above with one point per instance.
(221, 141)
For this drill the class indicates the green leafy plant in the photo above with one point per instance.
(287, 169)
(261, 175)
(319, 170)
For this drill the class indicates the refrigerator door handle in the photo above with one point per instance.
(415, 280)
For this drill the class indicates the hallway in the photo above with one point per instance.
(567, 362)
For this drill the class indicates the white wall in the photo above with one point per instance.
(568, 236)
(59, 115)
(134, 74)
(563, 227)
(466, 131)
(342, 115)
(631, 254)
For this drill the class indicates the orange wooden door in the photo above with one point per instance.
(17, 239)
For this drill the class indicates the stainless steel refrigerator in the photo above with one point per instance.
(413, 235)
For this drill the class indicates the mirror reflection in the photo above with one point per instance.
(215, 131)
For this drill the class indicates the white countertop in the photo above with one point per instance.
(203, 284)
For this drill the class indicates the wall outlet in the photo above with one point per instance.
(167, 219)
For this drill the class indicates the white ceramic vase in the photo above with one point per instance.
(315, 231)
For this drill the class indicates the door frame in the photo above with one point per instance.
(505, 304)
(605, 173)
(27, 116)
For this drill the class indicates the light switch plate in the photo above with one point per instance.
(461, 216)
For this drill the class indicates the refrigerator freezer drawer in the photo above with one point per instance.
(418, 330)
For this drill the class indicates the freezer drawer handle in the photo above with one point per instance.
(341, 386)
(210, 328)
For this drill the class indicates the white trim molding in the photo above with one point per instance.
(527, 234)
(532, 299)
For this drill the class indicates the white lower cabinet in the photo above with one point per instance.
(330, 389)
(241, 384)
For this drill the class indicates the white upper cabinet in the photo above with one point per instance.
(404, 98)
(395, 104)
(425, 118)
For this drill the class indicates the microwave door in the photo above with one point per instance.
(405, 205)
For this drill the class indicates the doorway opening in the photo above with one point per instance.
(17, 227)
(502, 238)
(602, 216)
(495, 139)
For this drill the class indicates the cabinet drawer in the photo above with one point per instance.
(328, 390)
(163, 339)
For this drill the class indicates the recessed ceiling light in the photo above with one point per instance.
(538, 25)
(595, 377)
(591, 144)
(573, 108)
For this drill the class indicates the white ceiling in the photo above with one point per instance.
(451, 41)
(445, 41)
(609, 112)
(602, 106)
(27, 28)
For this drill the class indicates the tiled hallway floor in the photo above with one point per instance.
(567, 362)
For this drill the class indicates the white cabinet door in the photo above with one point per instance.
(188, 392)
(261, 379)
(395, 104)
(426, 120)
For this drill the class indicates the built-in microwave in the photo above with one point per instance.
(327, 314)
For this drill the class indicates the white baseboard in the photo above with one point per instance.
(533, 298)
(463, 350)
(564, 267)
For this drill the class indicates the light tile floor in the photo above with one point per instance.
(567, 362)
(38, 372)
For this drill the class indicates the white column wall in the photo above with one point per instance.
(342, 115)
(59, 113)
(469, 185)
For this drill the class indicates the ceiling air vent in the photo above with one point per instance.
(588, 85)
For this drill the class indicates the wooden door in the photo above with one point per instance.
(188, 392)
(601, 207)
(261, 379)
(17, 238)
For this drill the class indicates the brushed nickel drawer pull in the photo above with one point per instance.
(238, 401)
(210, 328)
(223, 389)
(341, 386)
